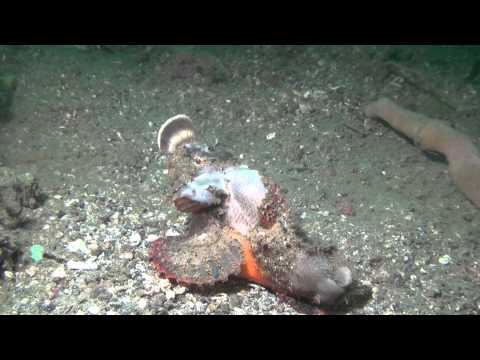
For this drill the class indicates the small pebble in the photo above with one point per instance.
(271, 136)
(94, 249)
(93, 310)
(80, 265)
(151, 238)
(47, 306)
(172, 232)
(224, 308)
(142, 303)
(169, 305)
(126, 256)
(161, 311)
(78, 246)
(235, 301)
(135, 239)
(179, 290)
(170, 294)
(59, 273)
(164, 284)
(32, 270)
(102, 294)
(444, 260)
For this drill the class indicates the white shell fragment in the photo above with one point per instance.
(444, 260)
(271, 136)
(78, 246)
(135, 239)
(82, 265)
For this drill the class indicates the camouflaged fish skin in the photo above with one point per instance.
(228, 203)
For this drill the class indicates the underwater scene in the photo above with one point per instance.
(242, 180)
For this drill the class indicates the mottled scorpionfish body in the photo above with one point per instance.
(240, 225)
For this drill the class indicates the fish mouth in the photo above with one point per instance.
(185, 204)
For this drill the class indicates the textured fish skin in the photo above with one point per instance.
(240, 209)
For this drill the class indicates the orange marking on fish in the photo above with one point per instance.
(250, 270)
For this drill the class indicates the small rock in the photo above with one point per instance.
(101, 293)
(142, 304)
(235, 301)
(169, 305)
(238, 311)
(304, 108)
(224, 308)
(179, 290)
(94, 249)
(59, 273)
(151, 238)
(32, 270)
(200, 307)
(81, 265)
(444, 260)
(135, 239)
(126, 256)
(47, 306)
(158, 301)
(164, 284)
(78, 246)
(170, 294)
(93, 310)
(172, 232)
(271, 136)
(212, 307)
(161, 311)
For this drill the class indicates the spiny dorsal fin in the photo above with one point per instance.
(176, 131)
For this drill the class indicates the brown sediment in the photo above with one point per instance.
(434, 135)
